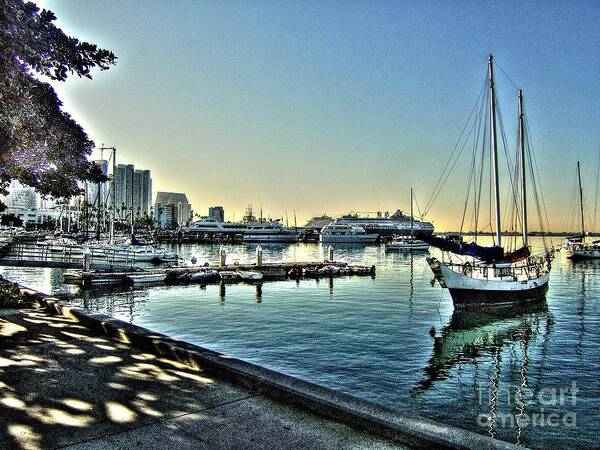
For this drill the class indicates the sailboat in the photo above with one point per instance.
(575, 247)
(410, 243)
(488, 275)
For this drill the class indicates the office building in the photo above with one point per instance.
(171, 209)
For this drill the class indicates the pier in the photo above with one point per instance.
(270, 272)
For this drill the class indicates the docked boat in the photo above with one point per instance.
(329, 270)
(133, 253)
(343, 233)
(203, 277)
(145, 278)
(576, 247)
(212, 226)
(409, 243)
(477, 275)
(229, 275)
(250, 275)
(269, 231)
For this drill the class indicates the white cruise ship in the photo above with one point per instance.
(396, 224)
(342, 233)
(269, 231)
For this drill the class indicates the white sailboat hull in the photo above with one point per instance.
(468, 290)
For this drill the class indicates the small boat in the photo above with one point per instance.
(249, 275)
(203, 277)
(228, 275)
(147, 278)
(73, 276)
(311, 272)
(276, 274)
(407, 245)
(343, 233)
(329, 270)
(576, 247)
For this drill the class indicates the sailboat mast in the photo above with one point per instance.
(412, 222)
(114, 196)
(493, 140)
(581, 199)
(523, 173)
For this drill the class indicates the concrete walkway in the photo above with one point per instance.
(65, 386)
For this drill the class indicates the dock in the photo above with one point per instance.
(270, 272)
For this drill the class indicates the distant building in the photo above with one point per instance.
(123, 179)
(133, 190)
(142, 192)
(20, 196)
(217, 213)
(171, 209)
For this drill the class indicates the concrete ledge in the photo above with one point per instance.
(410, 430)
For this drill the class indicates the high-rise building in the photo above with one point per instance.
(123, 179)
(171, 209)
(142, 192)
(217, 213)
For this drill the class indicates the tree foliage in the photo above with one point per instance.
(40, 144)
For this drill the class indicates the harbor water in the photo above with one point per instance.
(531, 377)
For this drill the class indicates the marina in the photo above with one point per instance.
(393, 339)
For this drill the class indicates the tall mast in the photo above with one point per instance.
(494, 142)
(580, 199)
(412, 221)
(523, 173)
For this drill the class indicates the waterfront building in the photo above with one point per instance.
(133, 191)
(142, 192)
(20, 196)
(172, 209)
(217, 213)
(123, 179)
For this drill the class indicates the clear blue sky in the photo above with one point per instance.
(332, 106)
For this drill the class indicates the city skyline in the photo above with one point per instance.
(324, 108)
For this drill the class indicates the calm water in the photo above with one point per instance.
(393, 339)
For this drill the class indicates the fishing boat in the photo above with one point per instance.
(576, 247)
(250, 275)
(478, 275)
(343, 233)
(145, 278)
(409, 243)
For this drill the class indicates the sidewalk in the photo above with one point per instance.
(64, 385)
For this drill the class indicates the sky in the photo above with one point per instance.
(334, 106)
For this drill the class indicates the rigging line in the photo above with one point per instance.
(596, 193)
(427, 205)
(417, 203)
(532, 156)
(473, 175)
(508, 158)
(506, 75)
(449, 172)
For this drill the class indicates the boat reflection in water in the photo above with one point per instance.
(492, 344)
